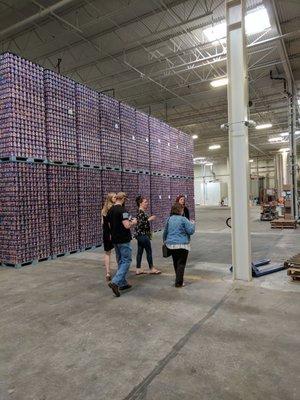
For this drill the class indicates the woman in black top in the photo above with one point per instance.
(108, 246)
(143, 236)
(181, 200)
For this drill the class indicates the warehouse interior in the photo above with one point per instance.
(159, 98)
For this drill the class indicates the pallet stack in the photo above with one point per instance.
(293, 267)
(282, 223)
(63, 147)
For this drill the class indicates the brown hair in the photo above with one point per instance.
(176, 209)
(139, 200)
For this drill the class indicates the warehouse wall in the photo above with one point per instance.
(207, 191)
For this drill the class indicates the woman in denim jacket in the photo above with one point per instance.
(176, 237)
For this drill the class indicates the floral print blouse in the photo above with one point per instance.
(143, 225)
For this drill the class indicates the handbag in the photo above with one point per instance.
(165, 250)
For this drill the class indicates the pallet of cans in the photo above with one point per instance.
(60, 101)
(174, 151)
(24, 218)
(177, 187)
(63, 207)
(130, 186)
(88, 126)
(144, 186)
(63, 148)
(90, 205)
(157, 201)
(142, 136)
(155, 145)
(22, 109)
(165, 148)
(110, 131)
(128, 138)
(111, 182)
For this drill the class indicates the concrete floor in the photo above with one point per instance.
(64, 336)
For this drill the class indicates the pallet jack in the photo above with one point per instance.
(258, 270)
(257, 266)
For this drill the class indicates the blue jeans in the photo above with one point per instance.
(123, 255)
(144, 243)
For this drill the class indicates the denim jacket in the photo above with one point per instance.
(178, 230)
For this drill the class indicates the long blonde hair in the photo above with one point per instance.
(108, 204)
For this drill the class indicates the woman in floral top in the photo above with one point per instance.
(143, 236)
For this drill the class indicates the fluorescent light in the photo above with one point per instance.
(195, 136)
(276, 139)
(264, 126)
(285, 149)
(214, 147)
(199, 160)
(251, 161)
(219, 82)
(255, 21)
(209, 164)
(284, 134)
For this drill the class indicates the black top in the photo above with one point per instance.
(143, 225)
(116, 215)
(186, 213)
(105, 226)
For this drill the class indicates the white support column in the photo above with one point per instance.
(285, 168)
(278, 167)
(238, 138)
(229, 182)
(293, 156)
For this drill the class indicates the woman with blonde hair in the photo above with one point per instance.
(108, 246)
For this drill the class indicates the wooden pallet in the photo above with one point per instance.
(295, 260)
(284, 224)
(294, 273)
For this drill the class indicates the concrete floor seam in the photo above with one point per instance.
(138, 393)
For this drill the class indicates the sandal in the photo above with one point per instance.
(108, 278)
(140, 273)
(154, 271)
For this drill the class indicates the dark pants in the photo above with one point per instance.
(179, 261)
(144, 243)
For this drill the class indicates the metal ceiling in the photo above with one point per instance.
(154, 55)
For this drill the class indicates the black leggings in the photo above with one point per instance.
(179, 261)
(144, 243)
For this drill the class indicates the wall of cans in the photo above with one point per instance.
(63, 147)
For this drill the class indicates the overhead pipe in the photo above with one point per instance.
(33, 18)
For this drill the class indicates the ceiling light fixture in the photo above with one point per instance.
(255, 21)
(209, 164)
(264, 126)
(284, 150)
(219, 82)
(251, 160)
(285, 134)
(214, 147)
(195, 136)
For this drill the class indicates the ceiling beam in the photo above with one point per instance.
(34, 18)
